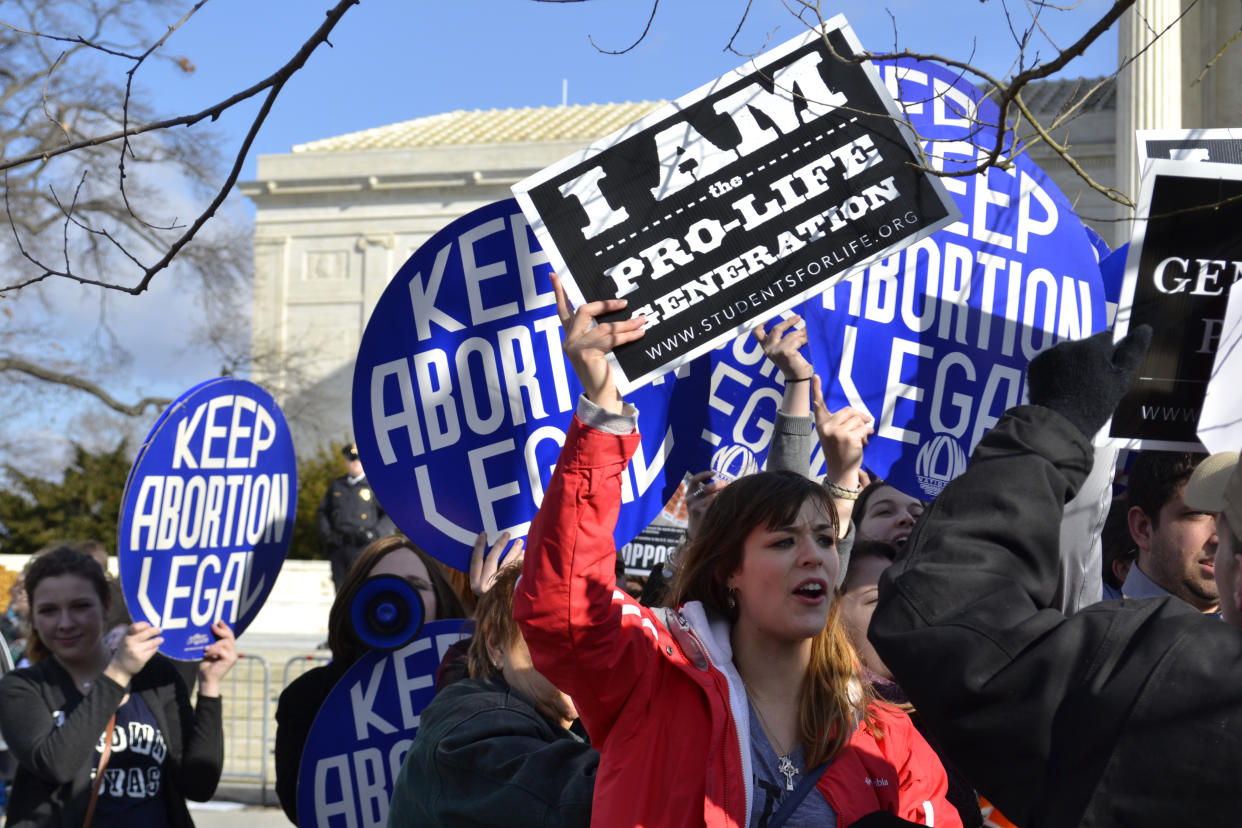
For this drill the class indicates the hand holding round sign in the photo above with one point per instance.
(208, 515)
(933, 342)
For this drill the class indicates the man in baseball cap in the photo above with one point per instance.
(1216, 486)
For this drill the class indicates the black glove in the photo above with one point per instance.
(1084, 379)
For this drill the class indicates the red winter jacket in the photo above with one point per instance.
(653, 688)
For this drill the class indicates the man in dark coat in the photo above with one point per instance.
(1124, 713)
(349, 516)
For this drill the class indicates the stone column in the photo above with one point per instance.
(1219, 93)
(1149, 89)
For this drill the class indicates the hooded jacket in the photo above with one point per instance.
(660, 695)
(485, 756)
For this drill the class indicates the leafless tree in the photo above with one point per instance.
(1018, 127)
(103, 193)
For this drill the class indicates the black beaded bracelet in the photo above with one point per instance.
(802, 379)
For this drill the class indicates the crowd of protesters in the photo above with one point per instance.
(819, 651)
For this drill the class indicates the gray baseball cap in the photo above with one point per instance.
(1216, 486)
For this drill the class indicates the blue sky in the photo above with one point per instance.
(393, 60)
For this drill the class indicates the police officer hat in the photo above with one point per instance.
(350, 451)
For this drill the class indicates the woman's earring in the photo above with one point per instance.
(731, 598)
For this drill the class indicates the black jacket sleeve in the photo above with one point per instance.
(295, 713)
(195, 732)
(202, 739)
(1117, 714)
(55, 754)
(323, 519)
(203, 760)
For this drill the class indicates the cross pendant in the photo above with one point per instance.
(786, 768)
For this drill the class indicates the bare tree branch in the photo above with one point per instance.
(40, 372)
(272, 85)
(1221, 51)
(655, 5)
(129, 91)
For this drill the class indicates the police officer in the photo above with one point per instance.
(349, 516)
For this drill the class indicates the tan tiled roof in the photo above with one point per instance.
(492, 126)
(1053, 95)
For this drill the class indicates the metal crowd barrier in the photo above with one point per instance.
(298, 665)
(247, 702)
(248, 711)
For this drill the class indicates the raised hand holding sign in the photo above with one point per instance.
(462, 394)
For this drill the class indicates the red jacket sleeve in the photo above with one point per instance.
(585, 635)
(892, 770)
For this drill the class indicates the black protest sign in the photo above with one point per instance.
(736, 201)
(1181, 263)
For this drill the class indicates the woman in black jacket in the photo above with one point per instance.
(55, 713)
(299, 703)
(501, 748)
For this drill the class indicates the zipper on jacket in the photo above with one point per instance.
(732, 722)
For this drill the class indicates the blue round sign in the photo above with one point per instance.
(738, 393)
(208, 514)
(933, 342)
(365, 727)
(159, 421)
(1113, 273)
(462, 397)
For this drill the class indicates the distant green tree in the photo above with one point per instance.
(84, 504)
(315, 472)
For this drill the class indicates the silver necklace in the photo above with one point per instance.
(784, 764)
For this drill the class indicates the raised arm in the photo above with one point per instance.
(52, 748)
(586, 636)
(842, 434)
(964, 619)
(790, 449)
(587, 345)
(783, 345)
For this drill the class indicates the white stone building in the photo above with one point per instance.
(336, 218)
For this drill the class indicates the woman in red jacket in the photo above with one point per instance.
(741, 707)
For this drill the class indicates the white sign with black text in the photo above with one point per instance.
(738, 200)
(1217, 146)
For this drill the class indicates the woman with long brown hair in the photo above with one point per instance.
(742, 706)
(85, 708)
(301, 700)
